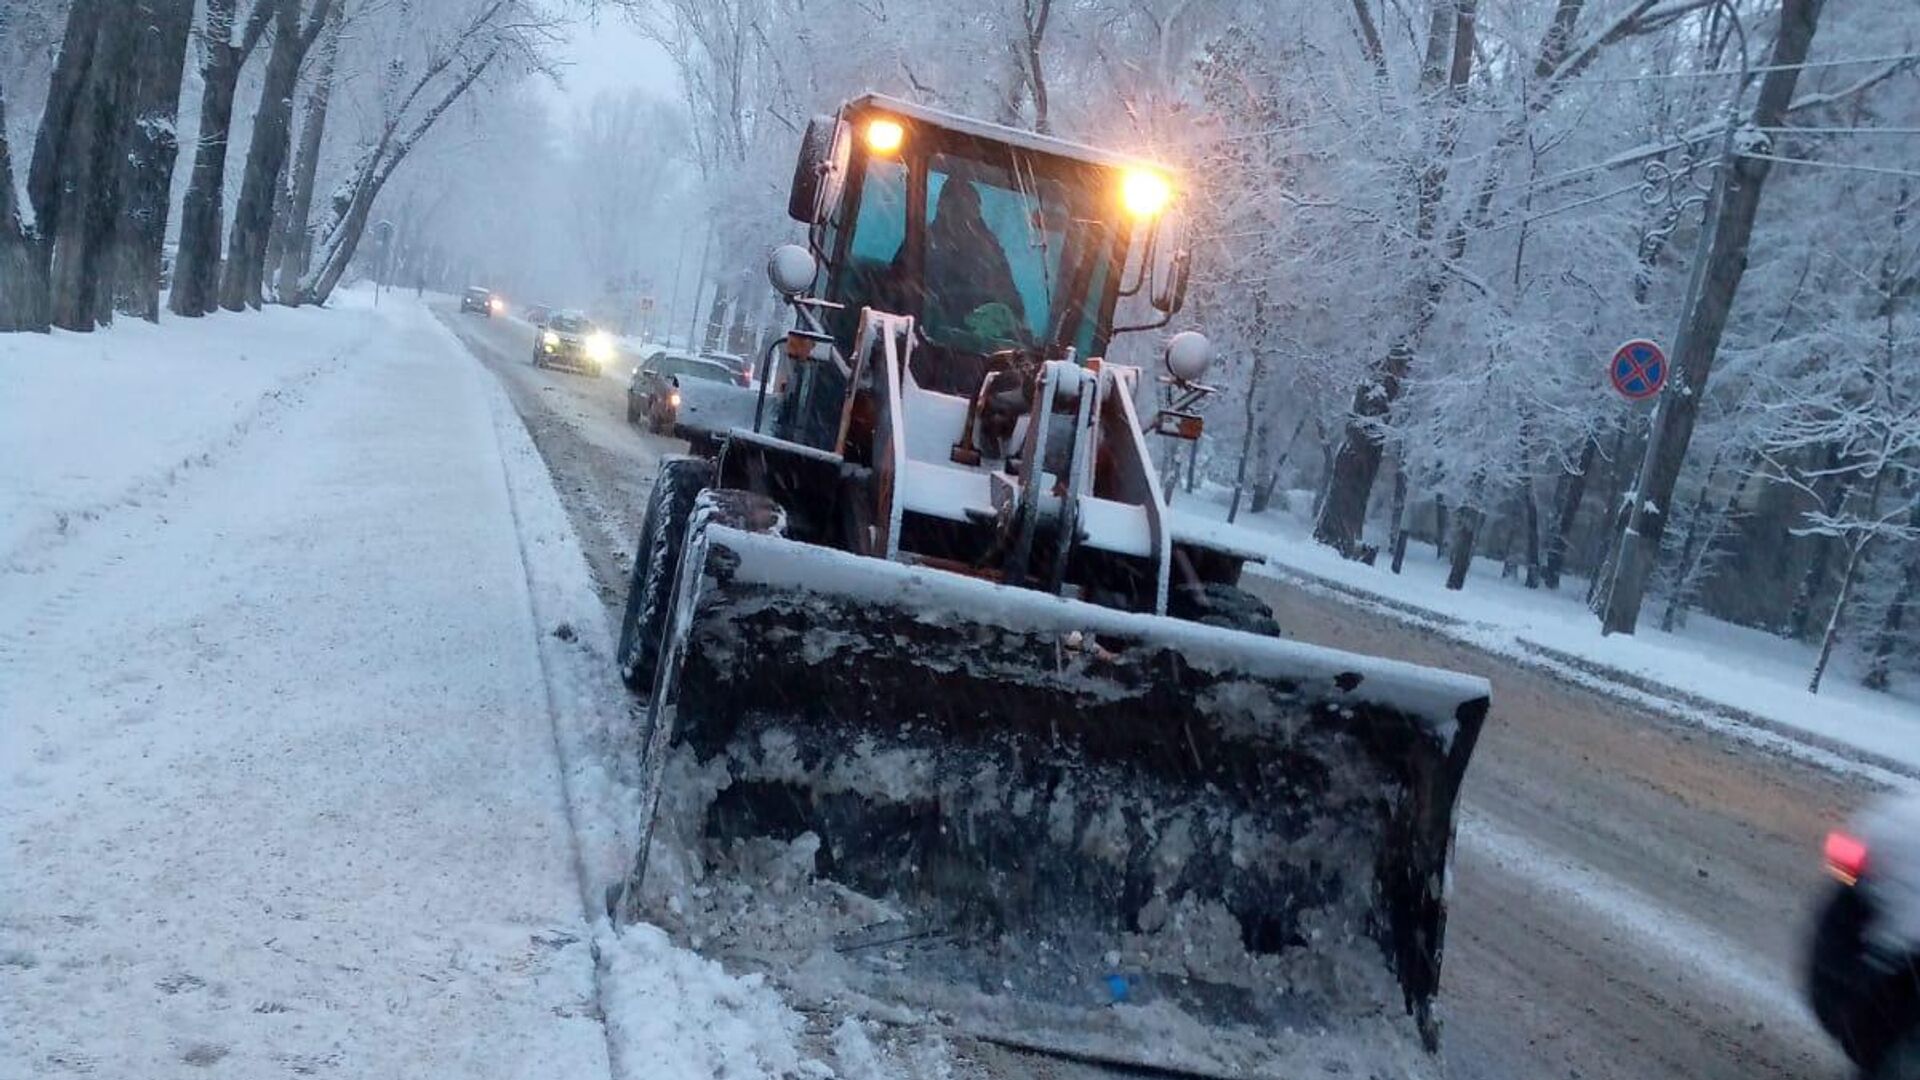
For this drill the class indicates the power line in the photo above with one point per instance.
(1879, 170)
(1841, 130)
(1758, 70)
(1575, 205)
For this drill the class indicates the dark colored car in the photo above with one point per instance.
(483, 301)
(654, 393)
(740, 366)
(570, 340)
(1864, 972)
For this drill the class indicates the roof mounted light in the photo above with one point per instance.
(885, 135)
(1145, 192)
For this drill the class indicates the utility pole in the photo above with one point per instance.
(679, 267)
(693, 329)
(1719, 262)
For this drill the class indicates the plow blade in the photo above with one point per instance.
(1116, 836)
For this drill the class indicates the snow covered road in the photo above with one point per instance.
(278, 788)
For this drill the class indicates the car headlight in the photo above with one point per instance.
(673, 399)
(600, 346)
(550, 339)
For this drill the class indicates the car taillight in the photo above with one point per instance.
(743, 378)
(1846, 856)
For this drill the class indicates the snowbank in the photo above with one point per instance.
(682, 1017)
(1709, 670)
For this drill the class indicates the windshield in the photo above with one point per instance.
(1012, 251)
(571, 322)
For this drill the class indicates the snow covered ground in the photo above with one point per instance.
(1710, 669)
(291, 722)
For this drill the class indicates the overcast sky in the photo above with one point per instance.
(609, 54)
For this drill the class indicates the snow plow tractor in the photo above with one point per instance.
(927, 626)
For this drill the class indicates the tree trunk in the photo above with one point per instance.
(1855, 551)
(23, 283)
(375, 170)
(1733, 210)
(1252, 423)
(717, 316)
(1689, 548)
(1397, 534)
(1264, 486)
(1567, 496)
(152, 146)
(1887, 637)
(1439, 526)
(196, 268)
(79, 277)
(1342, 518)
(1466, 530)
(51, 169)
(296, 245)
(1832, 636)
(1800, 615)
(1530, 522)
(245, 270)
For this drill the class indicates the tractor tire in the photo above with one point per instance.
(1227, 606)
(655, 564)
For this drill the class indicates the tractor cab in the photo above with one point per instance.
(1005, 247)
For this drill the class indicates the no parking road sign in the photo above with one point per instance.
(1639, 369)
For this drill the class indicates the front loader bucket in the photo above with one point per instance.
(1097, 832)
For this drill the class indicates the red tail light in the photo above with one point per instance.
(744, 378)
(1846, 856)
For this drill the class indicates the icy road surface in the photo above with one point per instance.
(1629, 893)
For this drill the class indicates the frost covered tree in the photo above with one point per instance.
(433, 64)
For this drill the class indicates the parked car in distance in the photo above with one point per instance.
(740, 366)
(654, 394)
(482, 301)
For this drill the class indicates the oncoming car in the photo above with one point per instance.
(654, 395)
(483, 301)
(570, 340)
(1864, 969)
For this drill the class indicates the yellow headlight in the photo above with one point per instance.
(1145, 192)
(600, 346)
(550, 339)
(884, 136)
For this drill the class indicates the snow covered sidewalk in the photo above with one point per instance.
(1747, 683)
(278, 785)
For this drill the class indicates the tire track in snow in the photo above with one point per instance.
(36, 549)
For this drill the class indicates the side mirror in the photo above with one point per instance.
(791, 269)
(817, 170)
(1172, 265)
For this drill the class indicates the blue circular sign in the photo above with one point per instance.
(1639, 369)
